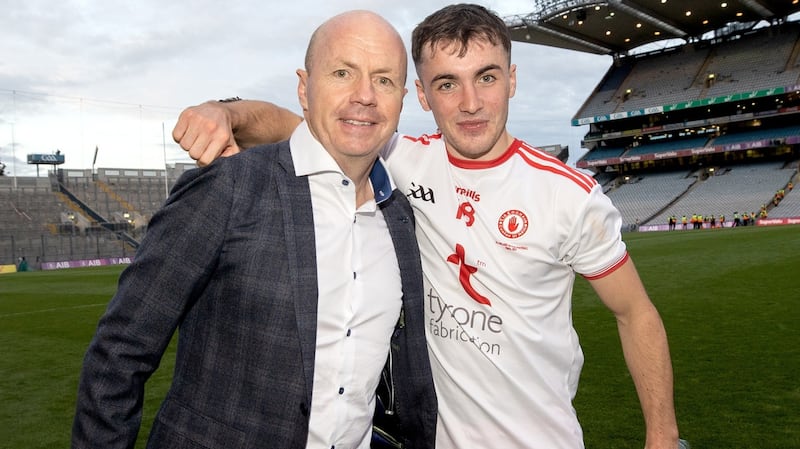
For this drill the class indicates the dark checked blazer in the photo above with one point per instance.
(230, 262)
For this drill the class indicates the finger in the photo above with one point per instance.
(197, 144)
(180, 128)
(210, 145)
(215, 150)
(230, 150)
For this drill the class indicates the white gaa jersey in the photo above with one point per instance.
(501, 242)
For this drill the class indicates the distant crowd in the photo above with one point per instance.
(698, 221)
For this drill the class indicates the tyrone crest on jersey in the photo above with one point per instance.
(513, 224)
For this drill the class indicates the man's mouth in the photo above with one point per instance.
(358, 122)
(473, 124)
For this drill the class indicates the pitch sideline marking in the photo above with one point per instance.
(33, 312)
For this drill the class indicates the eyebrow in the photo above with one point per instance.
(450, 76)
(389, 72)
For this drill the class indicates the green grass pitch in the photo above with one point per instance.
(730, 300)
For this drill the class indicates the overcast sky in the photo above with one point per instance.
(80, 74)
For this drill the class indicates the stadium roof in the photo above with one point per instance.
(618, 26)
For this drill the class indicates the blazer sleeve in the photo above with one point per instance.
(171, 268)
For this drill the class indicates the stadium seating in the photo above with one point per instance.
(668, 145)
(33, 226)
(760, 134)
(668, 78)
(789, 207)
(660, 120)
(680, 74)
(605, 153)
(650, 193)
(744, 64)
(743, 188)
(44, 224)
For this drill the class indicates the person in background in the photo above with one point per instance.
(291, 270)
(503, 230)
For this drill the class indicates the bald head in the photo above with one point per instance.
(352, 88)
(357, 25)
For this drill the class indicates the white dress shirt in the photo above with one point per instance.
(359, 296)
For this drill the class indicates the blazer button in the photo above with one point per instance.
(303, 409)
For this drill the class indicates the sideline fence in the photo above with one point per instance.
(54, 248)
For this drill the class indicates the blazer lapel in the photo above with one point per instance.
(301, 249)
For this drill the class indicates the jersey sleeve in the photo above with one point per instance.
(594, 246)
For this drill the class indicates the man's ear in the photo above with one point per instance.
(421, 96)
(302, 88)
(512, 73)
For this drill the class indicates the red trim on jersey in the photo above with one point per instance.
(608, 270)
(470, 164)
(535, 158)
(529, 153)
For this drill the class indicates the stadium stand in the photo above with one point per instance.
(789, 207)
(75, 215)
(745, 63)
(704, 122)
(642, 197)
(757, 135)
(39, 225)
(739, 189)
(668, 145)
(664, 78)
(605, 153)
(763, 57)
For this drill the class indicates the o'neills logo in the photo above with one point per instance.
(468, 193)
(513, 224)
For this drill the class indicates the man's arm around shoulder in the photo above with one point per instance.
(213, 129)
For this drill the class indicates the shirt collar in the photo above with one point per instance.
(310, 158)
(381, 182)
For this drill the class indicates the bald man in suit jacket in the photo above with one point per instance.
(239, 277)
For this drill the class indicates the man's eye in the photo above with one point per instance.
(445, 86)
(340, 73)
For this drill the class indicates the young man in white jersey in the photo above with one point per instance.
(503, 228)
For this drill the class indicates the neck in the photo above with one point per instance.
(364, 193)
(498, 148)
(358, 170)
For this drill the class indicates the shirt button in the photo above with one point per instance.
(348, 332)
(345, 182)
(341, 390)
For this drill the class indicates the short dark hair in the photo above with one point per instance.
(459, 24)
